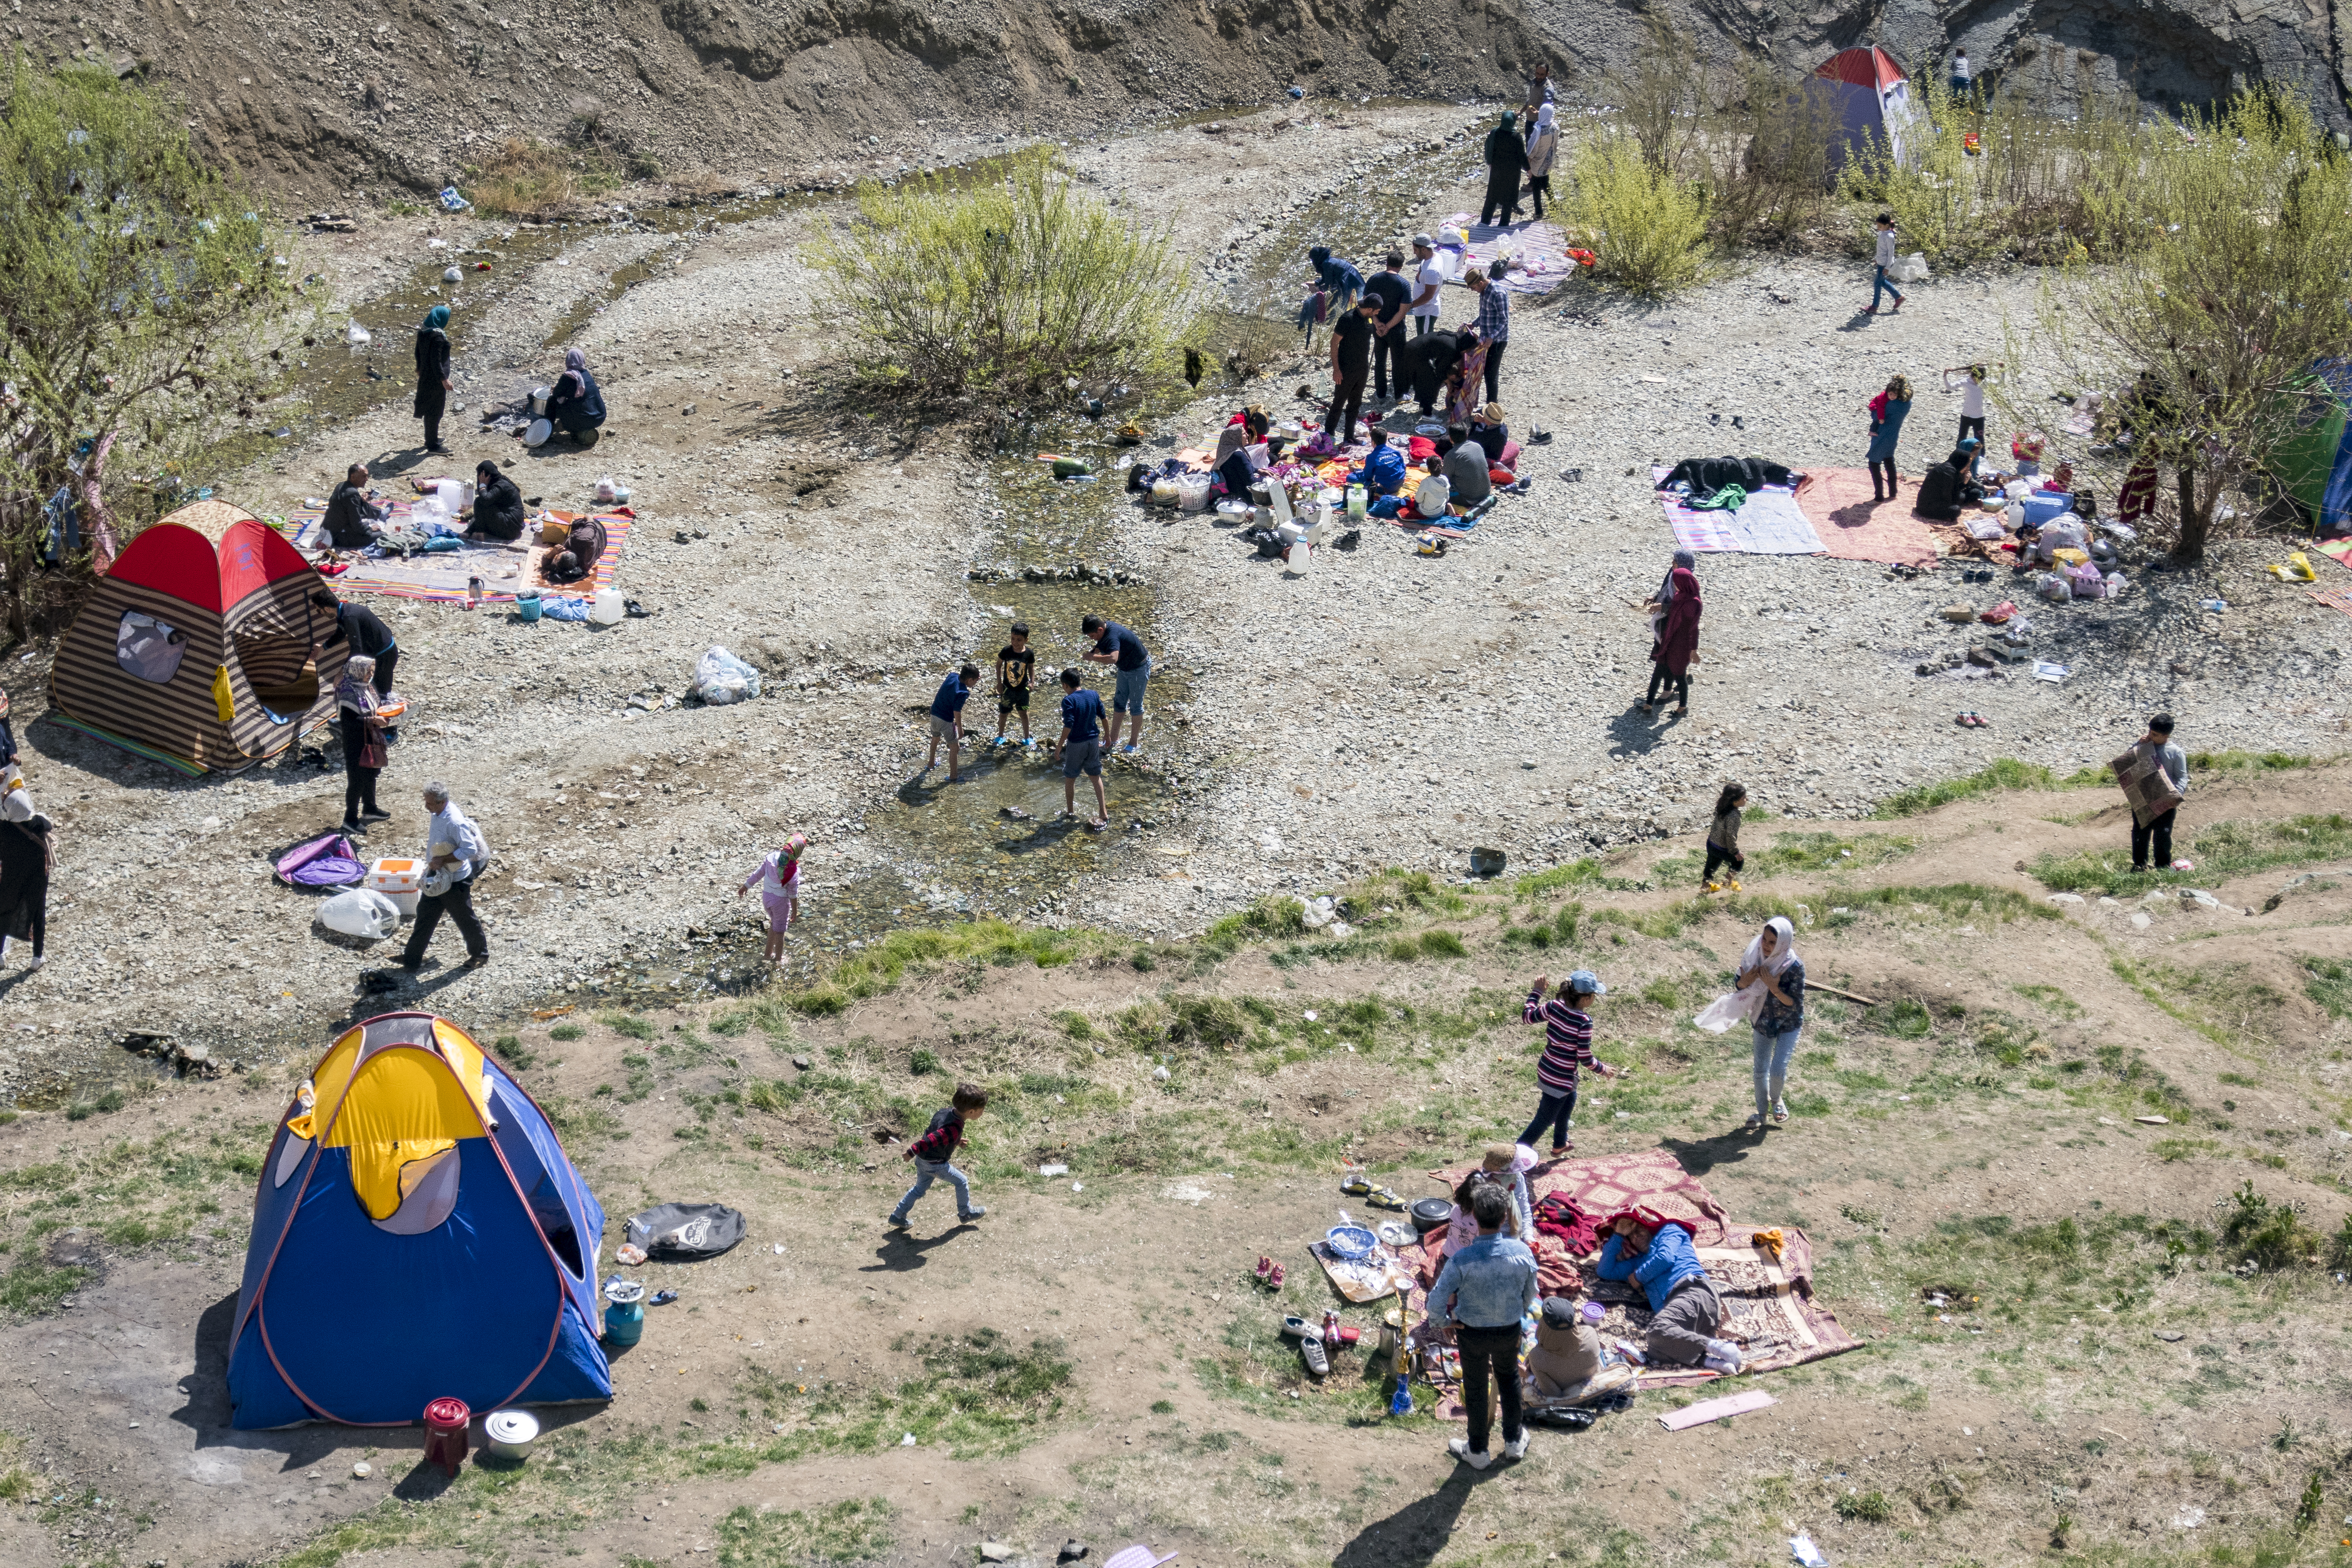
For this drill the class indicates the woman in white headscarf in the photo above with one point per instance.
(1543, 148)
(1771, 961)
(361, 727)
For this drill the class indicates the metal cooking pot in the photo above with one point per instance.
(1431, 1214)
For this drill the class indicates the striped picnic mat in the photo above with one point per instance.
(441, 578)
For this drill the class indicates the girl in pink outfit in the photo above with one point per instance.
(778, 877)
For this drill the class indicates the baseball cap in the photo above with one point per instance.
(1423, 242)
(1584, 982)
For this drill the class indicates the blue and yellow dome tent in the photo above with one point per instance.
(418, 1232)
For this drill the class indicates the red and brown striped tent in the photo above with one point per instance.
(195, 647)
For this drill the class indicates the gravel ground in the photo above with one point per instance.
(1387, 708)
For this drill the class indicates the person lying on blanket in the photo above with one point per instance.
(576, 556)
(1686, 1314)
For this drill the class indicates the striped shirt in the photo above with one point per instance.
(1568, 1042)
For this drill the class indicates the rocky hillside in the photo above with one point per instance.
(332, 97)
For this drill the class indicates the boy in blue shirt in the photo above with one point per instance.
(946, 718)
(1686, 1314)
(1080, 748)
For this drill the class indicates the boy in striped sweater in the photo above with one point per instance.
(1567, 1046)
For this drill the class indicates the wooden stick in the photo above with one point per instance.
(1823, 986)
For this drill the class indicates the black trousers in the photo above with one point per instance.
(1490, 1353)
(1348, 395)
(1556, 1111)
(1716, 855)
(1678, 684)
(2156, 836)
(1539, 186)
(1386, 371)
(1972, 427)
(1502, 195)
(457, 903)
(1887, 464)
(1495, 371)
(385, 662)
(1422, 327)
(358, 790)
(432, 402)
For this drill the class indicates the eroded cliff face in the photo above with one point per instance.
(323, 97)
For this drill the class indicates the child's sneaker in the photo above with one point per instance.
(1715, 886)
(975, 1212)
(1735, 884)
(898, 1222)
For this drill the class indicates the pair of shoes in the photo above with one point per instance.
(1517, 1448)
(1264, 1267)
(975, 1212)
(1319, 1360)
(1274, 1277)
(897, 1221)
(1460, 1449)
(372, 813)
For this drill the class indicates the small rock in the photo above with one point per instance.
(2170, 1336)
(1072, 1551)
(688, 410)
(2153, 1121)
(802, 1063)
(995, 1552)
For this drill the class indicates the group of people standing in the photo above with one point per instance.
(1081, 747)
(1385, 337)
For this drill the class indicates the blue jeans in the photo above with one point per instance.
(1127, 690)
(1772, 1054)
(930, 1171)
(1881, 287)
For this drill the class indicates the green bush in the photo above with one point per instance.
(1443, 944)
(2002, 774)
(1003, 287)
(1647, 225)
(2275, 1235)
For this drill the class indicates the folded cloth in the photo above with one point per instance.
(1729, 497)
(1557, 1215)
(1772, 1240)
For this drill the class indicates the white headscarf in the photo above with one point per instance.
(1783, 950)
(1543, 118)
(18, 806)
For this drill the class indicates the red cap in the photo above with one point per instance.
(448, 1412)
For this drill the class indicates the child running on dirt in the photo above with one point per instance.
(931, 1151)
(1723, 838)
(1016, 662)
(1567, 1046)
(778, 877)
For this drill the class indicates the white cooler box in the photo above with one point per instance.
(402, 881)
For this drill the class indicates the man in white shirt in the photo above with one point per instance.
(1428, 279)
(456, 845)
(1883, 257)
(1972, 398)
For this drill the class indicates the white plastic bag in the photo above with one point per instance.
(358, 336)
(720, 678)
(607, 493)
(2052, 587)
(1740, 1007)
(363, 912)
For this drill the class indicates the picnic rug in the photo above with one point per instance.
(1837, 503)
(1771, 523)
(441, 576)
(1768, 1303)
